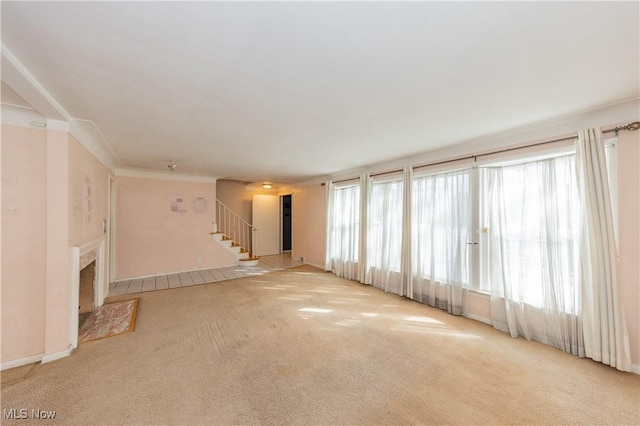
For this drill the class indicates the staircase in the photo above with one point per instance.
(234, 234)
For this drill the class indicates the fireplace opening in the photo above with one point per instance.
(86, 295)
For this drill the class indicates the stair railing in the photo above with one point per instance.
(233, 226)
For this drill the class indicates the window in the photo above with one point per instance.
(384, 234)
(441, 228)
(344, 231)
(531, 218)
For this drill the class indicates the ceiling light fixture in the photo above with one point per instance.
(172, 166)
(267, 186)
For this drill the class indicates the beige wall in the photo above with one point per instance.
(233, 194)
(309, 217)
(24, 220)
(239, 199)
(151, 239)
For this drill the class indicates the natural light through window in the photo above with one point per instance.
(423, 320)
(316, 310)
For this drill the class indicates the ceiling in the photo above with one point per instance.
(288, 91)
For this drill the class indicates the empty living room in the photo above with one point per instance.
(321, 213)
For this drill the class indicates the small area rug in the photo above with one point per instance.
(109, 320)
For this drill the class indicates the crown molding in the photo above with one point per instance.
(150, 174)
(18, 77)
(57, 125)
(20, 116)
(89, 136)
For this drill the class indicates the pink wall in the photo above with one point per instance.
(151, 239)
(86, 211)
(23, 242)
(85, 170)
(42, 218)
(629, 234)
(58, 289)
(309, 217)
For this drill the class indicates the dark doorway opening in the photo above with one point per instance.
(286, 222)
(86, 292)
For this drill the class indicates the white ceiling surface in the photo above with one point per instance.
(288, 91)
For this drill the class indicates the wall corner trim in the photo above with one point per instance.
(58, 125)
(90, 137)
(56, 355)
(20, 79)
(21, 361)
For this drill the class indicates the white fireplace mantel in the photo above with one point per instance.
(81, 256)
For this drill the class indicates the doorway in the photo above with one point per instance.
(286, 208)
(266, 225)
(272, 224)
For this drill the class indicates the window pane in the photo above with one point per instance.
(441, 227)
(531, 216)
(345, 224)
(384, 240)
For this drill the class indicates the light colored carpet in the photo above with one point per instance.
(304, 347)
(108, 320)
(17, 373)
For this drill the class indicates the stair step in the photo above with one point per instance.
(248, 261)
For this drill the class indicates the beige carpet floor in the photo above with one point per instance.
(304, 347)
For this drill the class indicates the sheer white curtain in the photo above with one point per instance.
(532, 217)
(343, 230)
(605, 331)
(384, 234)
(441, 223)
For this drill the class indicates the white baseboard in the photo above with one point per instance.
(21, 361)
(56, 355)
(314, 265)
(478, 318)
(635, 368)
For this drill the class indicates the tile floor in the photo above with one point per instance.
(160, 282)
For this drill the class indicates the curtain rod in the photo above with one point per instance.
(372, 175)
(631, 127)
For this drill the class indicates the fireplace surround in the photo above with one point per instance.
(82, 256)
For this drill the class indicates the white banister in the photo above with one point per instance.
(233, 226)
